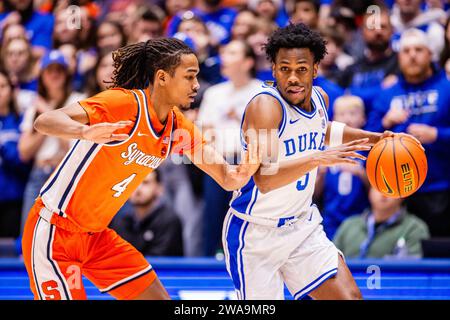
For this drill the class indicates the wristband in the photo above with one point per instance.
(336, 133)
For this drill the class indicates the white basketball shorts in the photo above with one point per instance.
(261, 259)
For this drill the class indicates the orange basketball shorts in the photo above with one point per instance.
(56, 259)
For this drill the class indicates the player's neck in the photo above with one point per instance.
(160, 105)
(306, 104)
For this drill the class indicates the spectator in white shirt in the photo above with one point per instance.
(220, 117)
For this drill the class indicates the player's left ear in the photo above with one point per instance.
(161, 77)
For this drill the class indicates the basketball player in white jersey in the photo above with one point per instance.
(272, 233)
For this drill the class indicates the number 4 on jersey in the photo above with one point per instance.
(122, 185)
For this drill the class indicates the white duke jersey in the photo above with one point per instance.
(300, 134)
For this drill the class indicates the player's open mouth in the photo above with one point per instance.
(192, 96)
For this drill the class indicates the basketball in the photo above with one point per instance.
(397, 166)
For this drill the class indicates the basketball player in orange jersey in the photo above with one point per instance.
(122, 134)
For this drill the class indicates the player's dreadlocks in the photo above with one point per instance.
(136, 65)
(296, 36)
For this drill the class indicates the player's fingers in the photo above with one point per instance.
(358, 141)
(354, 155)
(114, 125)
(124, 123)
(358, 148)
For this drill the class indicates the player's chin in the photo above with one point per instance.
(184, 106)
(295, 98)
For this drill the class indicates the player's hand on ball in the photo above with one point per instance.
(387, 134)
(104, 132)
(346, 153)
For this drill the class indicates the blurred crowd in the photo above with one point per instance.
(386, 69)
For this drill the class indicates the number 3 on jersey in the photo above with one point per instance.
(303, 182)
(122, 185)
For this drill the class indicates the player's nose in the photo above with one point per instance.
(196, 85)
(293, 79)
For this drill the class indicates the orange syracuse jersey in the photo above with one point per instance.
(93, 181)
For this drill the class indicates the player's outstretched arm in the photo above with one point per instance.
(346, 134)
(262, 119)
(229, 177)
(71, 122)
(338, 133)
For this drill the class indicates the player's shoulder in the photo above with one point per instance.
(265, 111)
(180, 119)
(264, 103)
(323, 93)
(116, 95)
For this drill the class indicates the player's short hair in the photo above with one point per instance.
(296, 36)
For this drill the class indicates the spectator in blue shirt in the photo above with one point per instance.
(343, 187)
(18, 61)
(336, 60)
(420, 105)
(270, 10)
(408, 14)
(12, 31)
(13, 172)
(194, 32)
(218, 20)
(147, 24)
(109, 36)
(307, 12)
(444, 60)
(244, 25)
(39, 26)
(257, 40)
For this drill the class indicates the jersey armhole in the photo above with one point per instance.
(322, 102)
(281, 126)
(87, 113)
